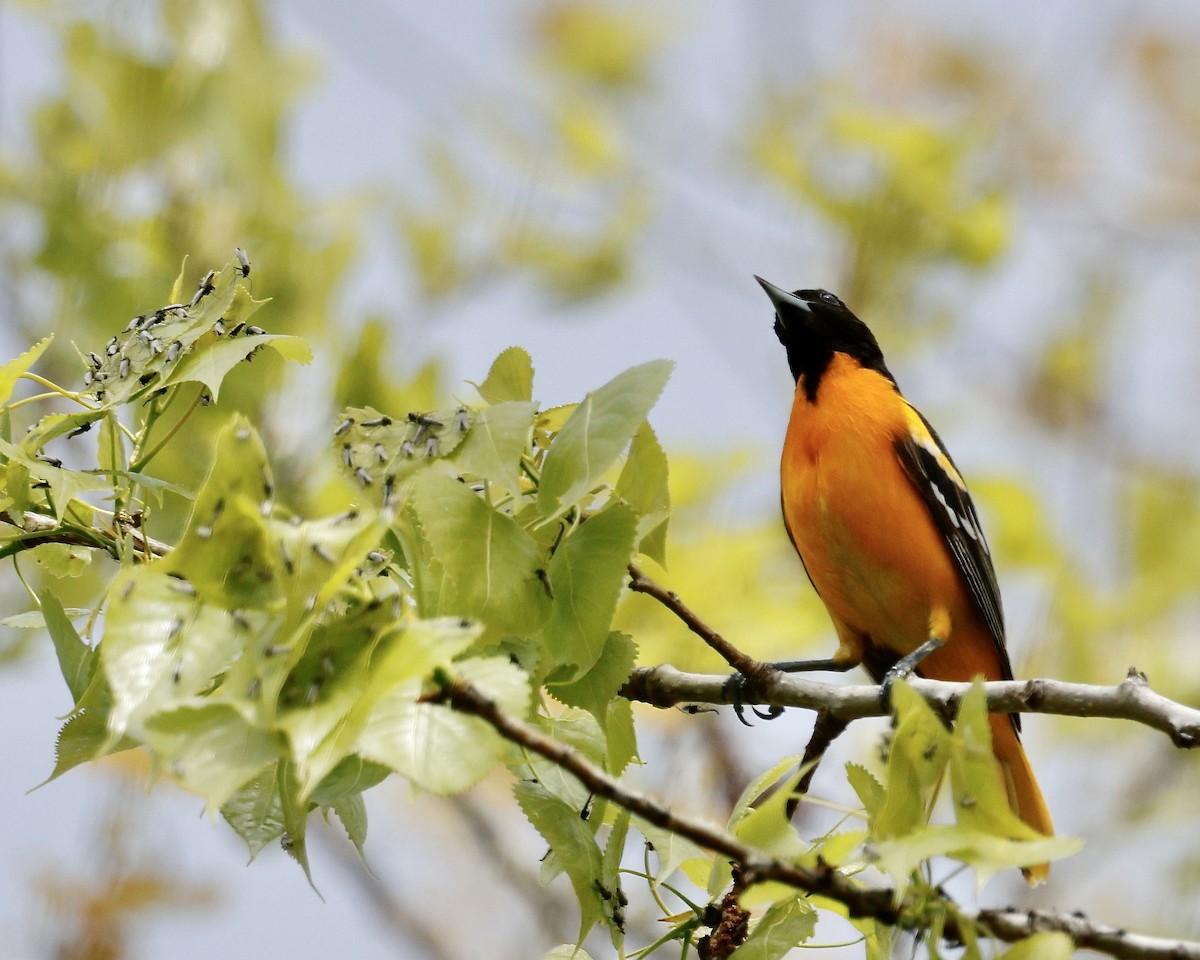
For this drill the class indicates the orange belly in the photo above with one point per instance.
(866, 537)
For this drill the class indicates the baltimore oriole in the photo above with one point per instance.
(885, 527)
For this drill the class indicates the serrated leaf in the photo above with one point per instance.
(919, 751)
(209, 748)
(352, 775)
(161, 646)
(595, 434)
(596, 688)
(64, 484)
(980, 798)
(899, 856)
(610, 879)
(870, 791)
(210, 363)
(255, 812)
(224, 551)
(12, 371)
(55, 425)
(587, 573)
(786, 924)
(75, 658)
(83, 738)
(573, 844)
(620, 736)
(670, 849)
(510, 377)
(495, 443)
(579, 730)
(490, 564)
(351, 810)
(437, 748)
(295, 820)
(643, 485)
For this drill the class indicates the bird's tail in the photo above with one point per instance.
(1024, 795)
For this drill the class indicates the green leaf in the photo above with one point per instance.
(61, 560)
(12, 371)
(567, 951)
(670, 849)
(610, 879)
(110, 447)
(255, 811)
(1041, 946)
(84, 737)
(595, 434)
(326, 697)
(353, 775)
(35, 620)
(786, 924)
(209, 748)
(766, 826)
(596, 688)
(224, 551)
(620, 736)
(75, 658)
(917, 758)
(495, 443)
(870, 791)
(437, 748)
(64, 484)
(351, 810)
(586, 574)
(579, 730)
(720, 873)
(295, 820)
(510, 377)
(490, 563)
(161, 646)
(980, 798)
(210, 363)
(573, 844)
(899, 856)
(643, 485)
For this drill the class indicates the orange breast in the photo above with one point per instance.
(866, 536)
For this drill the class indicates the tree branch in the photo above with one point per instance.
(875, 902)
(1131, 699)
(665, 686)
(38, 528)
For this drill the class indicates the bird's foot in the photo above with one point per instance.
(903, 667)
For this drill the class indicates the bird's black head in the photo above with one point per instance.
(813, 325)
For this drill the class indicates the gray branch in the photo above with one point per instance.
(1131, 699)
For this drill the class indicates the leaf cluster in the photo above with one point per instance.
(280, 665)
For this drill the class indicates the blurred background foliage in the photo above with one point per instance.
(1025, 251)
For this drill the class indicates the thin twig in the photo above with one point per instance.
(756, 672)
(860, 900)
(41, 528)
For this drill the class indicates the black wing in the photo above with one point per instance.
(933, 473)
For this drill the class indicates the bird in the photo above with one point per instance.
(885, 528)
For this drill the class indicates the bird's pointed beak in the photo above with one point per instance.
(782, 299)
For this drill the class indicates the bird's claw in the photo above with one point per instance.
(739, 688)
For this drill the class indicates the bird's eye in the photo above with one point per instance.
(830, 298)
